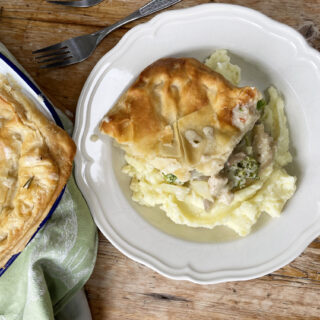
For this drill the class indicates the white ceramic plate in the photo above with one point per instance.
(268, 53)
(29, 89)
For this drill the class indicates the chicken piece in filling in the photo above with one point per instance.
(252, 154)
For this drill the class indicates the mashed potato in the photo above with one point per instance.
(184, 204)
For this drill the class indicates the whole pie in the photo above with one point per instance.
(35, 163)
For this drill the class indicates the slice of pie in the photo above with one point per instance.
(182, 117)
(35, 163)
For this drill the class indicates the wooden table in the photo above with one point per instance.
(120, 288)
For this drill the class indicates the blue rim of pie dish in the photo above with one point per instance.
(57, 120)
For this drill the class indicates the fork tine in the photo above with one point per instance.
(61, 63)
(65, 3)
(55, 58)
(60, 45)
(52, 54)
(77, 3)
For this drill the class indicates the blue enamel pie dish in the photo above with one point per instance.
(7, 67)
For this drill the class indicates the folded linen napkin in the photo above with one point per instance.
(57, 262)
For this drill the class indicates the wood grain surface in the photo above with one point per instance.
(120, 288)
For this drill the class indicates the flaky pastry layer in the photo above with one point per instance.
(181, 114)
(35, 163)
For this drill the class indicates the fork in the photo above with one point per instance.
(77, 49)
(77, 3)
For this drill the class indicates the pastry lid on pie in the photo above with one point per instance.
(35, 162)
(180, 114)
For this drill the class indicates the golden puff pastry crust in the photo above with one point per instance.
(181, 115)
(35, 163)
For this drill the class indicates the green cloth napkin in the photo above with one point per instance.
(57, 262)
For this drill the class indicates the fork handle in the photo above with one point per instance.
(149, 8)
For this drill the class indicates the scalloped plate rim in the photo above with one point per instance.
(186, 273)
